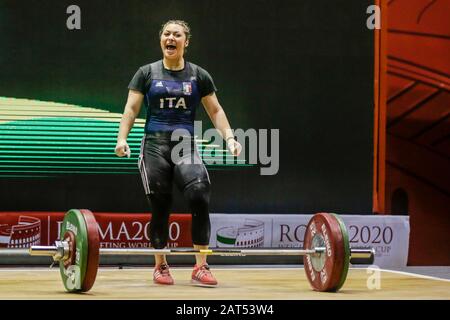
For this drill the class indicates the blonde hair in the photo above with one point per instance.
(184, 24)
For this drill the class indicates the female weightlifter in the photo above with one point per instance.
(171, 90)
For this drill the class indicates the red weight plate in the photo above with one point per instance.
(93, 249)
(324, 226)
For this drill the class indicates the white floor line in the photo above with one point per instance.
(413, 274)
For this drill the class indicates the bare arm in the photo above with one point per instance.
(132, 109)
(220, 122)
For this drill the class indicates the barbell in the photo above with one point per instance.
(326, 251)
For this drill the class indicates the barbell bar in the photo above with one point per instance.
(356, 253)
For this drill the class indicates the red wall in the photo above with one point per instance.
(418, 123)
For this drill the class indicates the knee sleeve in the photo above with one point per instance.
(159, 229)
(197, 195)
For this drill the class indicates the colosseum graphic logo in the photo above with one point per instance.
(248, 235)
(22, 235)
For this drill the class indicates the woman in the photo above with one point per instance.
(173, 88)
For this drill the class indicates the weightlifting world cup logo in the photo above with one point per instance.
(26, 233)
(248, 235)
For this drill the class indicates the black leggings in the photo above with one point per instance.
(158, 172)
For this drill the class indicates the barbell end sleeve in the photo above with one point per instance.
(362, 255)
(46, 251)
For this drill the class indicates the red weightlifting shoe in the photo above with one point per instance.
(202, 275)
(161, 274)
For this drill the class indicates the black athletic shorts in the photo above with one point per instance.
(159, 168)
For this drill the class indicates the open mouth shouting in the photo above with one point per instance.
(171, 48)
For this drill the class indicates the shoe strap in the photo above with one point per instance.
(163, 268)
(204, 267)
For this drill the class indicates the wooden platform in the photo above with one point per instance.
(237, 284)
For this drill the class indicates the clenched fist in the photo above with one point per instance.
(122, 149)
(234, 146)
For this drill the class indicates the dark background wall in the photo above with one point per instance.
(304, 67)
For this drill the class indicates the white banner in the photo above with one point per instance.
(388, 235)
